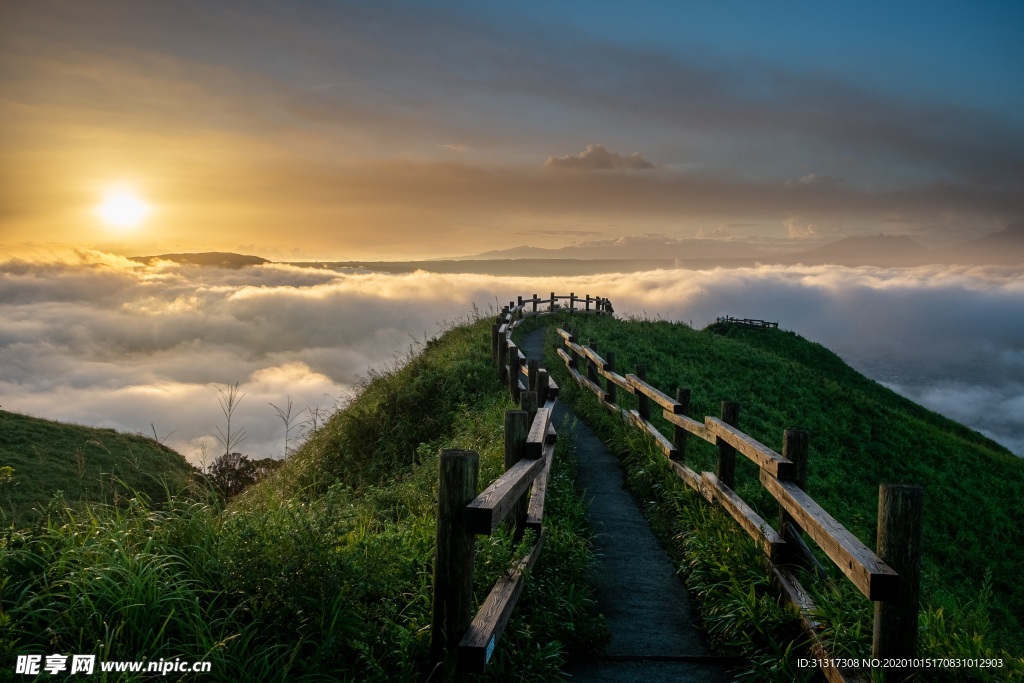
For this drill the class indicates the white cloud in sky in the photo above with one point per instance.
(599, 158)
(100, 340)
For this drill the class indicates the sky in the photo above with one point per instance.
(389, 130)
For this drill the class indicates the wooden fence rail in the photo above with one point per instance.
(784, 476)
(518, 494)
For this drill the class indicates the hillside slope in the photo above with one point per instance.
(323, 570)
(861, 435)
(87, 464)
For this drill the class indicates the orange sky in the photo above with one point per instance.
(302, 130)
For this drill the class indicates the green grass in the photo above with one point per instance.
(323, 570)
(862, 435)
(85, 463)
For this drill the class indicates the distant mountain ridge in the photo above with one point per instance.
(872, 250)
(218, 259)
(999, 248)
(1004, 247)
(634, 253)
(631, 247)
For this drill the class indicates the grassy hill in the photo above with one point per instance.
(861, 435)
(87, 464)
(323, 570)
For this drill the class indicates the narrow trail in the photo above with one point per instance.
(644, 601)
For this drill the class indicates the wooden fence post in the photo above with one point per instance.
(513, 370)
(502, 356)
(517, 428)
(794, 449)
(534, 303)
(611, 394)
(900, 518)
(587, 304)
(591, 365)
(552, 302)
(572, 302)
(453, 554)
(678, 433)
(543, 386)
(643, 403)
(532, 366)
(575, 357)
(726, 453)
(528, 401)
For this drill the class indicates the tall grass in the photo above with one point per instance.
(862, 434)
(322, 571)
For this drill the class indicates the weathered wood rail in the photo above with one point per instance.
(890, 578)
(518, 494)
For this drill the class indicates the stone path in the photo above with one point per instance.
(644, 601)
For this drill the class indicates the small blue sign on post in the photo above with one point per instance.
(490, 651)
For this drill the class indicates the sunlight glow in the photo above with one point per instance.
(122, 209)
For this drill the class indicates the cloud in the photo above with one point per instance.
(100, 340)
(815, 179)
(721, 231)
(597, 158)
(814, 224)
(560, 233)
(992, 410)
(96, 339)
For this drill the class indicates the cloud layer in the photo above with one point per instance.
(100, 340)
(597, 158)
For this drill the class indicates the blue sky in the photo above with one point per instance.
(958, 50)
(403, 130)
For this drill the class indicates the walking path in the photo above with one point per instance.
(644, 602)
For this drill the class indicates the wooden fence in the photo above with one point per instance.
(519, 493)
(890, 578)
(746, 322)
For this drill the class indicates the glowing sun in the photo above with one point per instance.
(122, 209)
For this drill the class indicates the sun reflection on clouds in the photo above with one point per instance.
(291, 376)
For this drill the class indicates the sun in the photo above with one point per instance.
(122, 209)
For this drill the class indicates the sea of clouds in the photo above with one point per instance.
(97, 339)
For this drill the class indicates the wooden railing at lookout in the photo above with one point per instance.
(519, 493)
(746, 322)
(890, 578)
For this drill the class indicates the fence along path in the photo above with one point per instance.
(649, 597)
(890, 578)
(636, 586)
(519, 493)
